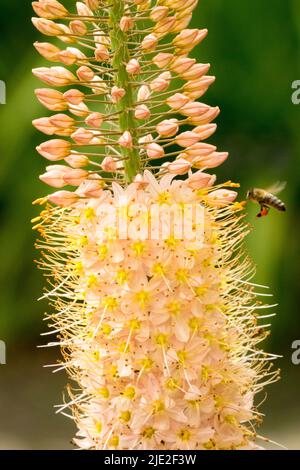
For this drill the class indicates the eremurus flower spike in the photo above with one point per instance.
(160, 332)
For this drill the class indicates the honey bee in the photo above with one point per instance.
(267, 198)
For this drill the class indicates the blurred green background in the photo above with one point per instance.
(254, 49)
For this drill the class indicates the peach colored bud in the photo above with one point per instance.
(41, 10)
(55, 76)
(82, 136)
(62, 120)
(177, 101)
(205, 118)
(142, 112)
(94, 120)
(92, 187)
(101, 53)
(109, 164)
(179, 167)
(75, 177)
(168, 127)
(99, 87)
(155, 151)
(80, 110)
(200, 149)
(71, 55)
(126, 23)
(162, 59)
(205, 131)
(165, 26)
(55, 8)
(117, 94)
(47, 50)
(74, 96)
(48, 27)
(143, 93)
(186, 139)
(195, 72)
(159, 13)
(77, 161)
(52, 99)
(222, 197)
(146, 139)
(126, 140)
(182, 64)
(200, 180)
(210, 161)
(78, 27)
(44, 125)
(161, 83)
(202, 83)
(181, 23)
(85, 74)
(55, 176)
(63, 198)
(189, 38)
(55, 149)
(193, 109)
(133, 67)
(93, 4)
(83, 9)
(149, 42)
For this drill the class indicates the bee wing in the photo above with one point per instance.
(277, 187)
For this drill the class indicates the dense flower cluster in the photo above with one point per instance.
(160, 334)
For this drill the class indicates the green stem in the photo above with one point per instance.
(121, 57)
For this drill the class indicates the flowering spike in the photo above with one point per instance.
(157, 319)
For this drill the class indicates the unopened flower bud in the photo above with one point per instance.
(85, 74)
(177, 101)
(179, 166)
(142, 112)
(94, 120)
(75, 160)
(74, 96)
(159, 13)
(47, 50)
(126, 140)
(75, 176)
(200, 180)
(143, 93)
(52, 99)
(63, 198)
(149, 42)
(55, 149)
(126, 23)
(109, 164)
(55, 76)
(78, 27)
(133, 67)
(162, 60)
(155, 151)
(168, 127)
(117, 94)
(82, 136)
(186, 139)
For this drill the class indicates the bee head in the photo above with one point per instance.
(249, 194)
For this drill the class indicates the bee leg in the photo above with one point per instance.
(264, 210)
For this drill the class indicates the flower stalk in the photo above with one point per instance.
(154, 307)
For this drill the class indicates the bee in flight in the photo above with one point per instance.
(267, 198)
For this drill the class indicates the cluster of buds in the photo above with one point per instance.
(160, 334)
